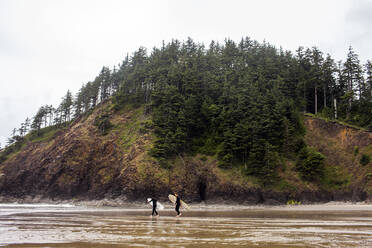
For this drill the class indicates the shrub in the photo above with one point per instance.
(203, 158)
(364, 159)
(326, 113)
(103, 123)
(310, 164)
(293, 202)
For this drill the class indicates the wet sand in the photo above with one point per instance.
(327, 225)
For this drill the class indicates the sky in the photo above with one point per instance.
(50, 46)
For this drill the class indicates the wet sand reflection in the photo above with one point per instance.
(316, 226)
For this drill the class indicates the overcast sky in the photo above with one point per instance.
(50, 46)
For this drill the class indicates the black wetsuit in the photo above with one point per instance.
(178, 204)
(154, 201)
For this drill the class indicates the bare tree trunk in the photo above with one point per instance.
(335, 106)
(316, 98)
(305, 97)
(325, 96)
(350, 90)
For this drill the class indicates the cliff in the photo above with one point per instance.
(82, 162)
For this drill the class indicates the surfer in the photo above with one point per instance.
(154, 205)
(178, 204)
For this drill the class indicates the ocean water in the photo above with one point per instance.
(48, 225)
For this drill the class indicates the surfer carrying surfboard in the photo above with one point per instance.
(154, 205)
(176, 200)
(178, 204)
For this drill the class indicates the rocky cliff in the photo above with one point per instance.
(81, 162)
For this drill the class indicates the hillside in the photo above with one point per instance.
(82, 162)
(222, 122)
(344, 148)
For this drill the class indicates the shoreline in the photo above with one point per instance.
(208, 205)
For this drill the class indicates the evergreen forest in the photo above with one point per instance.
(243, 102)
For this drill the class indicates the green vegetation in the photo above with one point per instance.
(240, 103)
(335, 178)
(102, 122)
(44, 134)
(364, 159)
(293, 202)
(283, 185)
(131, 131)
(12, 149)
(310, 164)
(327, 119)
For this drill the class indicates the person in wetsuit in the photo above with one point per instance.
(154, 205)
(178, 204)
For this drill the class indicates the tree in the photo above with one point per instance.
(104, 79)
(93, 90)
(58, 116)
(22, 130)
(368, 69)
(115, 80)
(66, 106)
(14, 132)
(38, 119)
(316, 73)
(78, 104)
(302, 75)
(50, 113)
(27, 124)
(169, 123)
(310, 164)
(328, 79)
(352, 74)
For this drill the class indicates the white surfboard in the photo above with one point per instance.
(173, 199)
(158, 204)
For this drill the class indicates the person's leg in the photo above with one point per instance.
(178, 209)
(154, 210)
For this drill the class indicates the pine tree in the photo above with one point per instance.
(14, 132)
(38, 119)
(368, 69)
(303, 70)
(316, 73)
(104, 79)
(328, 79)
(66, 106)
(352, 74)
(22, 130)
(27, 124)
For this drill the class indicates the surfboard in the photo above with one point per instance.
(158, 204)
(173, 199)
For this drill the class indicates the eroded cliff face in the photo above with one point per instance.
(81, 163)
(77, 162)
(343, 147)
(347, 137)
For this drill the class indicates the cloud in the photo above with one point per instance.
(358, 32)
